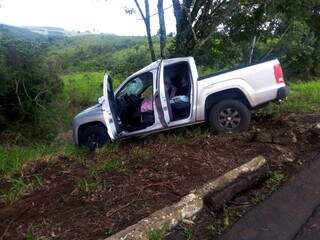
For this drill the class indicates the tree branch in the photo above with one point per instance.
(140, 10)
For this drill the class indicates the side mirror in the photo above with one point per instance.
(100, 100)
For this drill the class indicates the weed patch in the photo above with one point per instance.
(13, 158)
(155, 234)
(113, 165)
(18, 188)
(85, 185)
(303, 98)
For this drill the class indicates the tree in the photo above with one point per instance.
(197, 20)
(146, 19)
(250, 31)
(267, 29)
(162, 30)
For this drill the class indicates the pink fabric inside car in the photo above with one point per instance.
(146, 105)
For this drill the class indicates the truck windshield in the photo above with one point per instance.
(133, 87)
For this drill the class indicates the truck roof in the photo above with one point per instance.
(166, 62)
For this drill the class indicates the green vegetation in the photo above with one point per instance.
(12, 158)
(155, 234)
(303, 98)
(188, 233)
(28, 84)
(113, 165)
(109, 232)
(85, 186)
(84, 86)
(275, 178)
(30, 235)
(18, 188)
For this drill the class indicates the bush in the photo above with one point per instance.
(296, 50)
(28, 85)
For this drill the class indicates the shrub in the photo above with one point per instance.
(28, 85)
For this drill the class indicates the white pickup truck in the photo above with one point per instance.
(169, 94)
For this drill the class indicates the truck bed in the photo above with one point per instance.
(240, 66)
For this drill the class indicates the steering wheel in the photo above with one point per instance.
(133, 100)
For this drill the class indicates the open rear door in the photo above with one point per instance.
(109, 108)
(160, 99)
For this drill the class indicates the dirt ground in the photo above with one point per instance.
(79, 199)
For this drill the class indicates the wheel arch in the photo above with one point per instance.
(83, 126)
(232, 93)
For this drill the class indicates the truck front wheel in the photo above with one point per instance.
(229, 116)
(93, 136)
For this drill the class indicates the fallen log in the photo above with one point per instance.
(216, 200)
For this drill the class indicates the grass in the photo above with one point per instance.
(158, 233)
(109, 232)
(18, 188)
(274, 180)
(304, 97)
(155, 234)
(86, 85)
(113, 165)
(188, 233)
(12, 158)
(30, 235)
(85, 185)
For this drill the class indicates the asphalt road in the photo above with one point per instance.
(291, 213)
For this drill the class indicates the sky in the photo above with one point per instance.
(97, 16)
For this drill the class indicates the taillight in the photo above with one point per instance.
(278, 74)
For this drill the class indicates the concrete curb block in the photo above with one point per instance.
(188, 206)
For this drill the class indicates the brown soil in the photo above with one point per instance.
(154, 172)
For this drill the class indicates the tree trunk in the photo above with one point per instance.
(162, 30)
(252, 49)
(197, 20)
(177, 12)
(183, 27)
(148, 28)
(146, 19)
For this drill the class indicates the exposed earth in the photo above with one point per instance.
(94, 195)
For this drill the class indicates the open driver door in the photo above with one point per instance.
(109, 108)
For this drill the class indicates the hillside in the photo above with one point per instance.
(97, 52)
(83, 52)
(20, 33)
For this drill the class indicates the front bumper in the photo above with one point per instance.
(75, 132)
(282, 93)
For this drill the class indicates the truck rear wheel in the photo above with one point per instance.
(229, 116)
(93, 136)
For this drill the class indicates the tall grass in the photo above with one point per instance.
(12, 158)
(83, 86)
(86, 85)
(304, 97)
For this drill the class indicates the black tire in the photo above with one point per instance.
(93, 136)
(229, 116)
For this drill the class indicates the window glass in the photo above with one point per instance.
(134, 87)
(137, 85)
